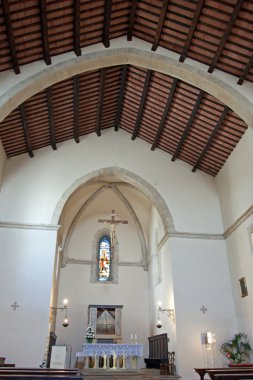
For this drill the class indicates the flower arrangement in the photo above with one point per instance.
(90, 334)
(237, 350)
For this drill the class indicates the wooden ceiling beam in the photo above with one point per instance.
(10, 36)
(107, 21)
(77, 47)
(160, 24)
(26, 130)
(226, 34)
(100, 101)
(212, 136)
(193, 26)
(131, 21)
(165, 113)
(189, 124)
(44, 31)
(76, 107)
(121, 96)
(246, 70)
(51, 117)
(142, 102)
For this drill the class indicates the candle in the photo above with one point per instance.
(135, 336)
(131, 337)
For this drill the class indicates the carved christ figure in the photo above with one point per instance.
(112, 222)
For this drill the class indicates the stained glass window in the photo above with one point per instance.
(104, 258)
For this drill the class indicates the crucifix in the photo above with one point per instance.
(14, 306)
(113, 222)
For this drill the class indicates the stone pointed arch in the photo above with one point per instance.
(129, 178)
(37, 80)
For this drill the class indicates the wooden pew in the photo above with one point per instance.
(216, 373)
(35, 376)
(38, 373)
(231, 376)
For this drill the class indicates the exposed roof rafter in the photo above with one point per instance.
(143, 98)
(212, 136)
(10, 35)
(51, 117)
(246, 70)
(160, 24)
(188, 125)
(100, 101)
(131, 21)
(76, 108)
(77, 48)
(44, 31)
(26, 131)
(165, 113)
(121, 96)
(225, 35)
(107, 20)
(192, 29)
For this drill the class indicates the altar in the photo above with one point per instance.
(109, 355)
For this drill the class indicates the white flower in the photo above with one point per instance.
(90, 334)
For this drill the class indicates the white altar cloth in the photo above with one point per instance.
(132, 352)
(101, 349)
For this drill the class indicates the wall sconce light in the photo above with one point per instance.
(170, 313)
(208, 342)
(64, 308)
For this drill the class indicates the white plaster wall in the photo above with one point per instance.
(27, 259)
(240, 257)
(160, 292)
(235, 181)
(32, 187)
(200, 277)
(131, 292)
(2, 162)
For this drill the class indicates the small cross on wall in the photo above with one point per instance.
(14, 306)
(203, 309)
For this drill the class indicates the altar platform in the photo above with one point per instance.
(128, 374)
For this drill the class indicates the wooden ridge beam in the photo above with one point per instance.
(100, 101)
(143, 98)
(210, 140)
(51, 117)
(10, 36)
(44, 31)
(246, 70)
(26, 130)
(131, 21)
(76, 107)
(77, 47)
(121, 96)
(189, 124)
(160, 24)
(225, 36)
(107, 21)
(193, 26)
(165, 113)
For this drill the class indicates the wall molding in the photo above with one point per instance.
(30, 226)
(239, 222)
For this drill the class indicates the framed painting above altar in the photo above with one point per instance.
(106, 321)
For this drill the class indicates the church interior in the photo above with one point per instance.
(126, 177)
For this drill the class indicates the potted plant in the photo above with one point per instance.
(90, 334)
(237, 350)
